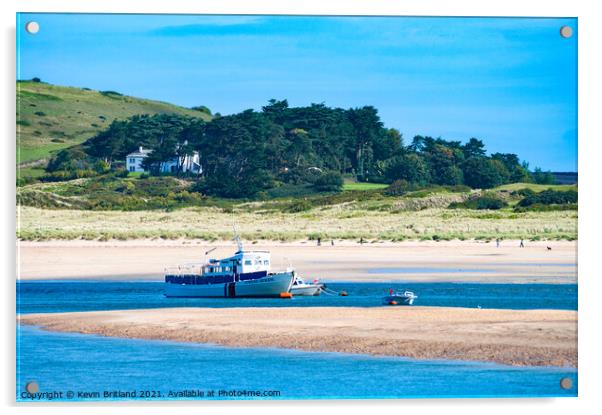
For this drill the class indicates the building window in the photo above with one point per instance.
(133, 160)
(132, 168)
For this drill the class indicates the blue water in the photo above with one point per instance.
(61, 362)
(84, 363)
(62, 296)
(425, 270)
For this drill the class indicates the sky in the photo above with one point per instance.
(511, 82)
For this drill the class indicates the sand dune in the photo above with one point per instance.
(515, 337)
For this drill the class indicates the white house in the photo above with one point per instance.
(189, 163)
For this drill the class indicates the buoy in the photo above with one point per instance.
(286, 295)
(343, 293)
(392, 302)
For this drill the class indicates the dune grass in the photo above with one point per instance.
(350, 221)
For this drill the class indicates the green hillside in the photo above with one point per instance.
(51, 117)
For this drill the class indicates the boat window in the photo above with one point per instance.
(248, 262)
(266, 262)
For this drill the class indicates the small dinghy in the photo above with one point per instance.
(300, 287)
(400, 298)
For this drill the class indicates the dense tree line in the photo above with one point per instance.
(245, 153)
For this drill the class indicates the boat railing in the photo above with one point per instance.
(192, 268)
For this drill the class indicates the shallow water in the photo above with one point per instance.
(63, 296)
(427, 270)
(62, 362)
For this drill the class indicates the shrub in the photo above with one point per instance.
(550, 197)
(202, 108)
(62, 175)
(101, 166)
(121, 173)
(290, 190)
(127, 188)
(40, 113)
(486, 201)
(302, 205)
(110, 94)
(330, 181)
(399, 188)
(490, 202)
(537, 207)
(523, 192)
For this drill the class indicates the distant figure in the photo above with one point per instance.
(522, 243)
(497, 242)
(361, 241)
(332, 242)
(319, 241)
(549, 248)
(390, 291)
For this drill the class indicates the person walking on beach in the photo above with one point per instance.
(497, 242)
(522, 243)
(319, 241)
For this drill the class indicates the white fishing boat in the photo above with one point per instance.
(400, 298)
(245, 274)
(300, 287)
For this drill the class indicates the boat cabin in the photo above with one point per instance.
(243, 264)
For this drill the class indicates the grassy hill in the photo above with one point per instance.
(51, 118)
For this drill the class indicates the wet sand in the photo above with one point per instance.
(461, 261)
(515, 337)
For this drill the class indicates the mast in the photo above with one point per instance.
(237, 239)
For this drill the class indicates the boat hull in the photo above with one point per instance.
(269, 286)
(398, 300)
(307, 290)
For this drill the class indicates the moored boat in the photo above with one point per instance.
(245, 274)
(400, 298)
(302, 288)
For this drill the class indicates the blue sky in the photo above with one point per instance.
(510, 82)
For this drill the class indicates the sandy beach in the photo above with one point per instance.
(515, 337)
(460, 261)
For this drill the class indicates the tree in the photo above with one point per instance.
(474, 148)
(409, 167)
(239, 154)
(541, 177)
(443, 162)
(518, 173)
(483, 173)
(149, 131)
